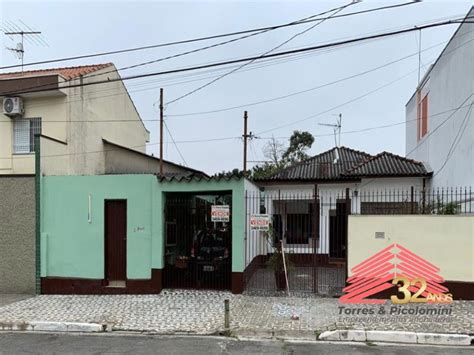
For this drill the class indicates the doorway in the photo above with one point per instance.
(115, 236)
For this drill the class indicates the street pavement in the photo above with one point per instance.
(202, 312)
(42, 343)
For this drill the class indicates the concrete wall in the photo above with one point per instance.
(101, 111)
(123, 161)
(73, 246)
(448, 84)
(445, 241)
(17, 235)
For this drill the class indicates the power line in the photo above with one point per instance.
(206, 140)
(198, 39)
(339, 105)
(272, 55)
(254, 67)
(312, 88)
(420, 143)
(176, 146)
(456, 139)
(337, 10)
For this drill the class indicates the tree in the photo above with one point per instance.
(280, 158)
(300, 142)
(274, 150)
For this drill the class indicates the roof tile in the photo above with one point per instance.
(67, 73)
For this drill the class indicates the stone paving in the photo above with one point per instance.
(202, 312)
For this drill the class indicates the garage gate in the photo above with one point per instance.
(198, 240)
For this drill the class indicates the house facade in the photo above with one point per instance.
(138, 233)
(74, 120)
(309, 203)
(439, 117)
(48, 129)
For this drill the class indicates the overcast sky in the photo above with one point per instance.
(73, 28)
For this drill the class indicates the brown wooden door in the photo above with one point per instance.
(116, 240)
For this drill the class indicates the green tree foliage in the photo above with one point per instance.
(300, 143)
(278, 157)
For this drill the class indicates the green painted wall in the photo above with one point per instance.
(73, 247)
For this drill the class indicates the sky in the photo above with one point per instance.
(74, 28)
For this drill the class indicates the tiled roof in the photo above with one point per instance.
(66, 72)
(388, 164)
(196, 177)
(349, 164)
(323, 166)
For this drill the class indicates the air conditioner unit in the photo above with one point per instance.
(13, 106)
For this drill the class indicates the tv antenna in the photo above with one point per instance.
(30, 35)
(337, 129)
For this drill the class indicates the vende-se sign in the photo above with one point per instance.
(220, 213)
(260, 222)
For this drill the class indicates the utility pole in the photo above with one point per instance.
(161, 131)
(245, 141)
(246, 136)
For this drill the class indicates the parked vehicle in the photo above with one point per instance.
(210, 249)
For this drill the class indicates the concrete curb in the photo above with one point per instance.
(396, 337)
(43, 326)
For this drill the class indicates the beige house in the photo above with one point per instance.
(85, 130)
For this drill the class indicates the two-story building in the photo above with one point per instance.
(84, 130)
(439, 117)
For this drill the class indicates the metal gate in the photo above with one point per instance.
(307, 235)
(198, 250)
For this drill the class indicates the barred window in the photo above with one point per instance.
(24, 131)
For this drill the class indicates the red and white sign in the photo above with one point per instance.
(220, 213)
(260, 222)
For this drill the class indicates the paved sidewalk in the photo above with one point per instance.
(11, 298)
(202, 312)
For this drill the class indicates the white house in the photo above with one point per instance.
(309, 203)
(439, 117)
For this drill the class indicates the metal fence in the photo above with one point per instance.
(311, 229)
(443, 201)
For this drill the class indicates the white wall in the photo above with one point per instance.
(451, 81)
(256, 242)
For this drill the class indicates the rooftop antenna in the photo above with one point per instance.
(337, 134)
(30, 35)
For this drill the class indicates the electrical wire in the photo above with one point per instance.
(335, 11)
(456, 139)
(176, 145)
(198, 39)
(420, 143)
(314, 87)
(223, 63)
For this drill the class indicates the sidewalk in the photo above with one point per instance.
(202, 312)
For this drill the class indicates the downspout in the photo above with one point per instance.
(37, 214)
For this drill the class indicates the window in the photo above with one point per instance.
(24, 131)
(298, 228)
(422, 116)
